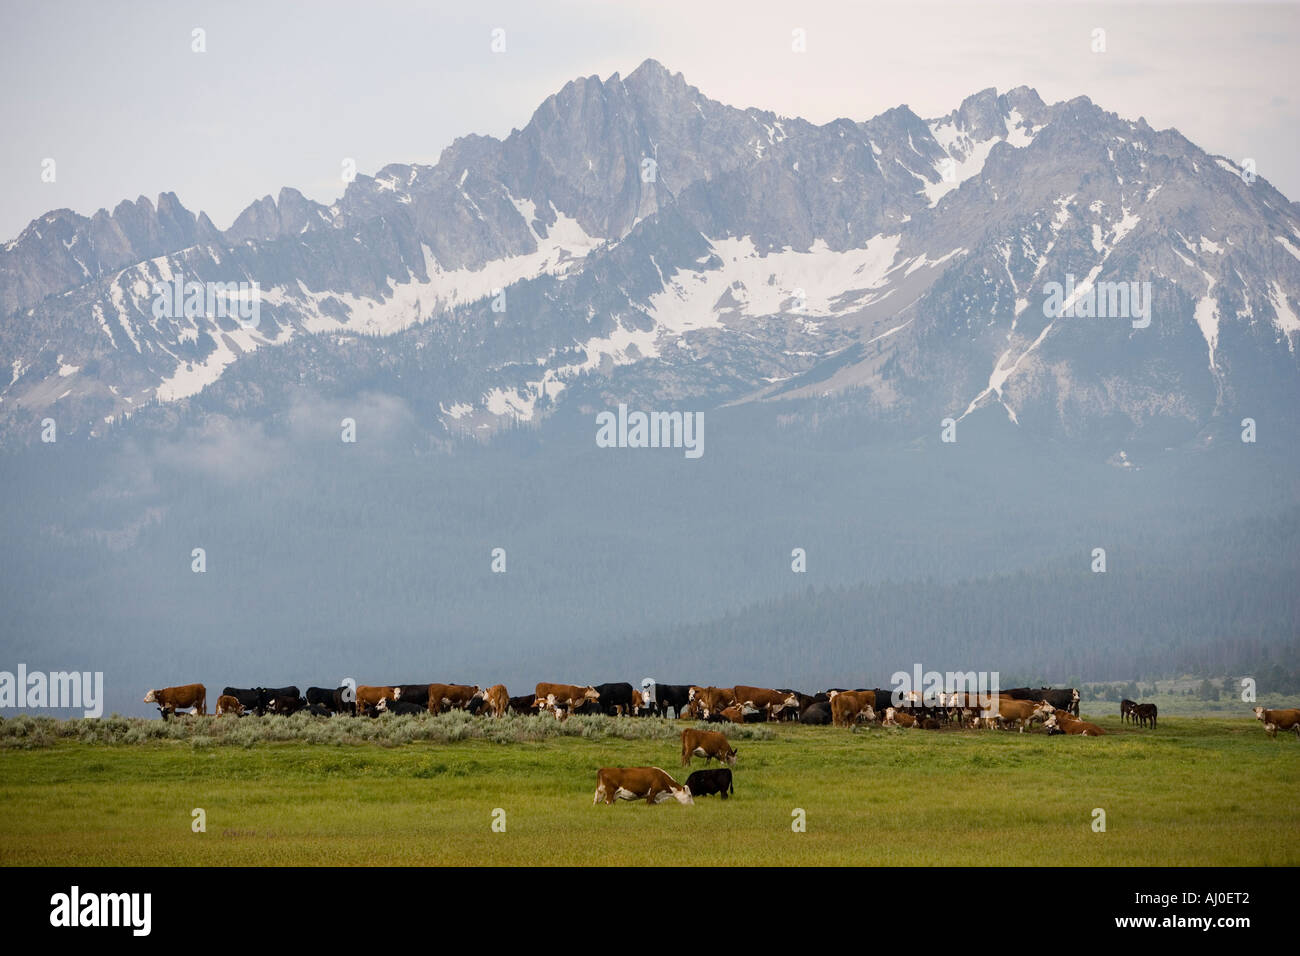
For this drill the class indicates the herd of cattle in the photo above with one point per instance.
(1057, 709)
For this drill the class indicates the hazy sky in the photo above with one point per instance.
(286, 90)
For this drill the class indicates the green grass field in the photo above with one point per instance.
(1197, 791)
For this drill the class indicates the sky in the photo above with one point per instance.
(285, 91)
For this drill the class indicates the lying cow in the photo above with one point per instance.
(708, 744)
(229, 705)
(184, 697)
(898, 718)
(816, 713)
(638, 783)
(1275, 720)
(704, 783)
(1064, 722)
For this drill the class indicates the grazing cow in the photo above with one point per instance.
(850, 706)
(400, 707)
(1021, 712)
(1275, 720)
(636, 783)
(704, 783)
(452, 696)
(185, 696)
(615, 699)
(368, 697)
(567, 696)
(817, 713)
(708, 744)
(660, 697)
(332, 699)
(496, 699)
(1146, 714)
(1126, 708)
(226, 704)
(250, 697)
(417, 694)
(526, 705)
(771, 701)
(1064, 722)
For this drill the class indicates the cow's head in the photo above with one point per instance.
(867, 713)
(730, 756)
(683, 796)
(889, 717)
(382, 705)
(1259, 711)
(590, 693)
(1074, 692)
(1050, 723)
(397, 693)
(152, 698)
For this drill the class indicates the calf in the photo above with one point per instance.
(186, 696)
(320, 710)
(1126, 708)
(636, 783)
(705, 783)
(226, 704)
(496, 699)
(708, 744)
(1275, 720)
(333, 699)
(1145, 714)
(268, 694)
(284, 706)
(526, 705)
(816, 713)
(402, 708)
(250, 697)
(898, 718)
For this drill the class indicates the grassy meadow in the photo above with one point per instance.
(410, 790)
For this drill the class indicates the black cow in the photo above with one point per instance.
(1145, 714)
(414, 694)
(665, 696)
(703, 783)
(615, 698)
(319, 710)
(1126, 708)
(276, 693)
(792, 713)
(332, 699)
(818, 712)
(285, 705)
(524, 705)
(401, 707)
(250, 697)
(1066, 699)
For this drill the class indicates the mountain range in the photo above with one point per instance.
(637, 241)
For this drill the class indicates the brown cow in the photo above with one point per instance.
(735, 714)
(497, 699)
(566, 696)
(898, 718)
(635, 783)
(1021, 712)
(229, 705)
(708, 744)
(1275, 720)
(711, 700)
(638, 703)
(1070, 724)
(452, 696)
(187, 695)
(773, 701)
(850, 706)
(369, 697)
